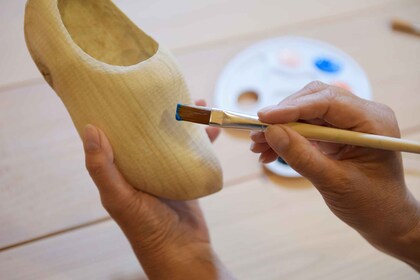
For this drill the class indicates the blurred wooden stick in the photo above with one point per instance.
(406, 26)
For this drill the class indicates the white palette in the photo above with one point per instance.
(267, 72)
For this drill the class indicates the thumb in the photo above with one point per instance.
(100, 163)
(300, 154)
(124, 203)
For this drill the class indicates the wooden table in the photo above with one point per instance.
(263, 226)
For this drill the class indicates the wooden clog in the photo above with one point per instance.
(111, 74)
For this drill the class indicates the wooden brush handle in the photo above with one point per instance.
(334, 135)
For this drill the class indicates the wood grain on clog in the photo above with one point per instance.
(111, 74)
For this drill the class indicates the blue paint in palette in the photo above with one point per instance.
(328, 65)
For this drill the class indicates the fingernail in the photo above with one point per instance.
(277, 138)
(267, 109)
(91, 139)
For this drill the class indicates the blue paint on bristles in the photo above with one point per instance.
(177, 116)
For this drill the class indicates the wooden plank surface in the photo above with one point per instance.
(389, 58)
(261, 229)
(180, 24)
(251, 221)
(44, 186)
(38, 135)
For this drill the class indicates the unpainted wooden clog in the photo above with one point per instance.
(111, 74)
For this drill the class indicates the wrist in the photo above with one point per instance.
(404, 241)
(408, 245)
(195, 261)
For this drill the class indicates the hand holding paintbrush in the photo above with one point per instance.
(225, 119)
(363, 187)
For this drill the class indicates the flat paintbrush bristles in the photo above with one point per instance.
(193, 114)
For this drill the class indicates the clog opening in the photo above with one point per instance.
(102, 31)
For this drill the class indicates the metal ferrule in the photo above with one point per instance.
(226, 119)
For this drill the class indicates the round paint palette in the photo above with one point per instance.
(269, 71)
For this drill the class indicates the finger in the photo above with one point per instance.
(330, 149)
(317, 121)
(300, 154)
(201, 102)
(100, 164)
(259, 147)
(268, 156)
(340, 110)
(213, 133)
(258, 137)
(310, 88)
(331, 105)
(279, 114)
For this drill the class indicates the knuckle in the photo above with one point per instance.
(315, 85)
(391, 120)
(381, 119)
(336, 95)
(342, 92)
(330, 94)
(388, 110)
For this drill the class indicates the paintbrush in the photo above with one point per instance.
(225, 119)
